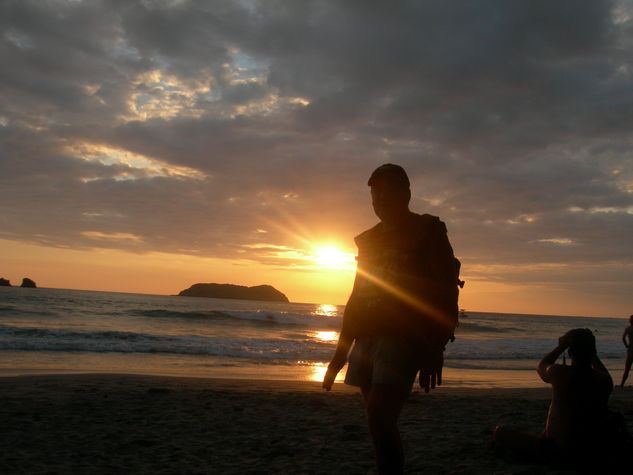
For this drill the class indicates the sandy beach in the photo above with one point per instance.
(96, 423)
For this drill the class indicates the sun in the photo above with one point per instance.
(333, 258)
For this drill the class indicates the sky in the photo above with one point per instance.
(149, 145)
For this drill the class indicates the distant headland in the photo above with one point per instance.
(229, 291)
(26, 282)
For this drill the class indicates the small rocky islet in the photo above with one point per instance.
(26, 282)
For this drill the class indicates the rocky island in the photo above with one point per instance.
(229, 291)
(26, 282)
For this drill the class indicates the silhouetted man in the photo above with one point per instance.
(628, 335)
(401, 313)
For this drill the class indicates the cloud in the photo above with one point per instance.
(194, 125)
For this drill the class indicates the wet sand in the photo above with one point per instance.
(103, 423)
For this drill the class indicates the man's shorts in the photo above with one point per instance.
(382, 360)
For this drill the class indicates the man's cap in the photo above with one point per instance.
(391, 173)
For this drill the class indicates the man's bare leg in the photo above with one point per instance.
(384, 403)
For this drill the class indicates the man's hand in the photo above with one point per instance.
(328, 380)
(564, 341)
(431, 369)
(332, 370)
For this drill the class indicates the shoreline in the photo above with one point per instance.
(248, 384)
(131, 423)
(482, 379)
(16, 363)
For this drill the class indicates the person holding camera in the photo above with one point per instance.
(578, 421)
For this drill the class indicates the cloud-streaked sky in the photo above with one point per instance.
(235, 136)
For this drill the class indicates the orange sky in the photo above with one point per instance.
(167, 274)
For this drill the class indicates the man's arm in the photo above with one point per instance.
(627, 332)
(345, 339)
(337, 363)
(550, 358)
(339, 359)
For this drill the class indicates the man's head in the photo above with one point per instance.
(390, 193)
(582, 345)
(631, 320)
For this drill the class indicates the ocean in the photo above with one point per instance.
(73, 331)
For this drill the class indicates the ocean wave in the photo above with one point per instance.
(44, 339)
(259, 317)
(7, 309)
(162, 313)
(288, 346)
(15, 311)
(518, 349)
(478, 327)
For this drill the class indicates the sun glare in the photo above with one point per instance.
(333, 258)
(318, 370)
(326, 336)
(326, 310)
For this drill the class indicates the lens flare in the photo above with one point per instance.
(333, 258)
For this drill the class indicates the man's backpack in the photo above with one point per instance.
(458, 266)
(460, 284)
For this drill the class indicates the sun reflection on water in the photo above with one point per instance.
(317, 372)
(326, 336)
(325, 310)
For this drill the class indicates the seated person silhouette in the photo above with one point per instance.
(578, 415)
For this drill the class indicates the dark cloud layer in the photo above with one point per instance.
(191, 126)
